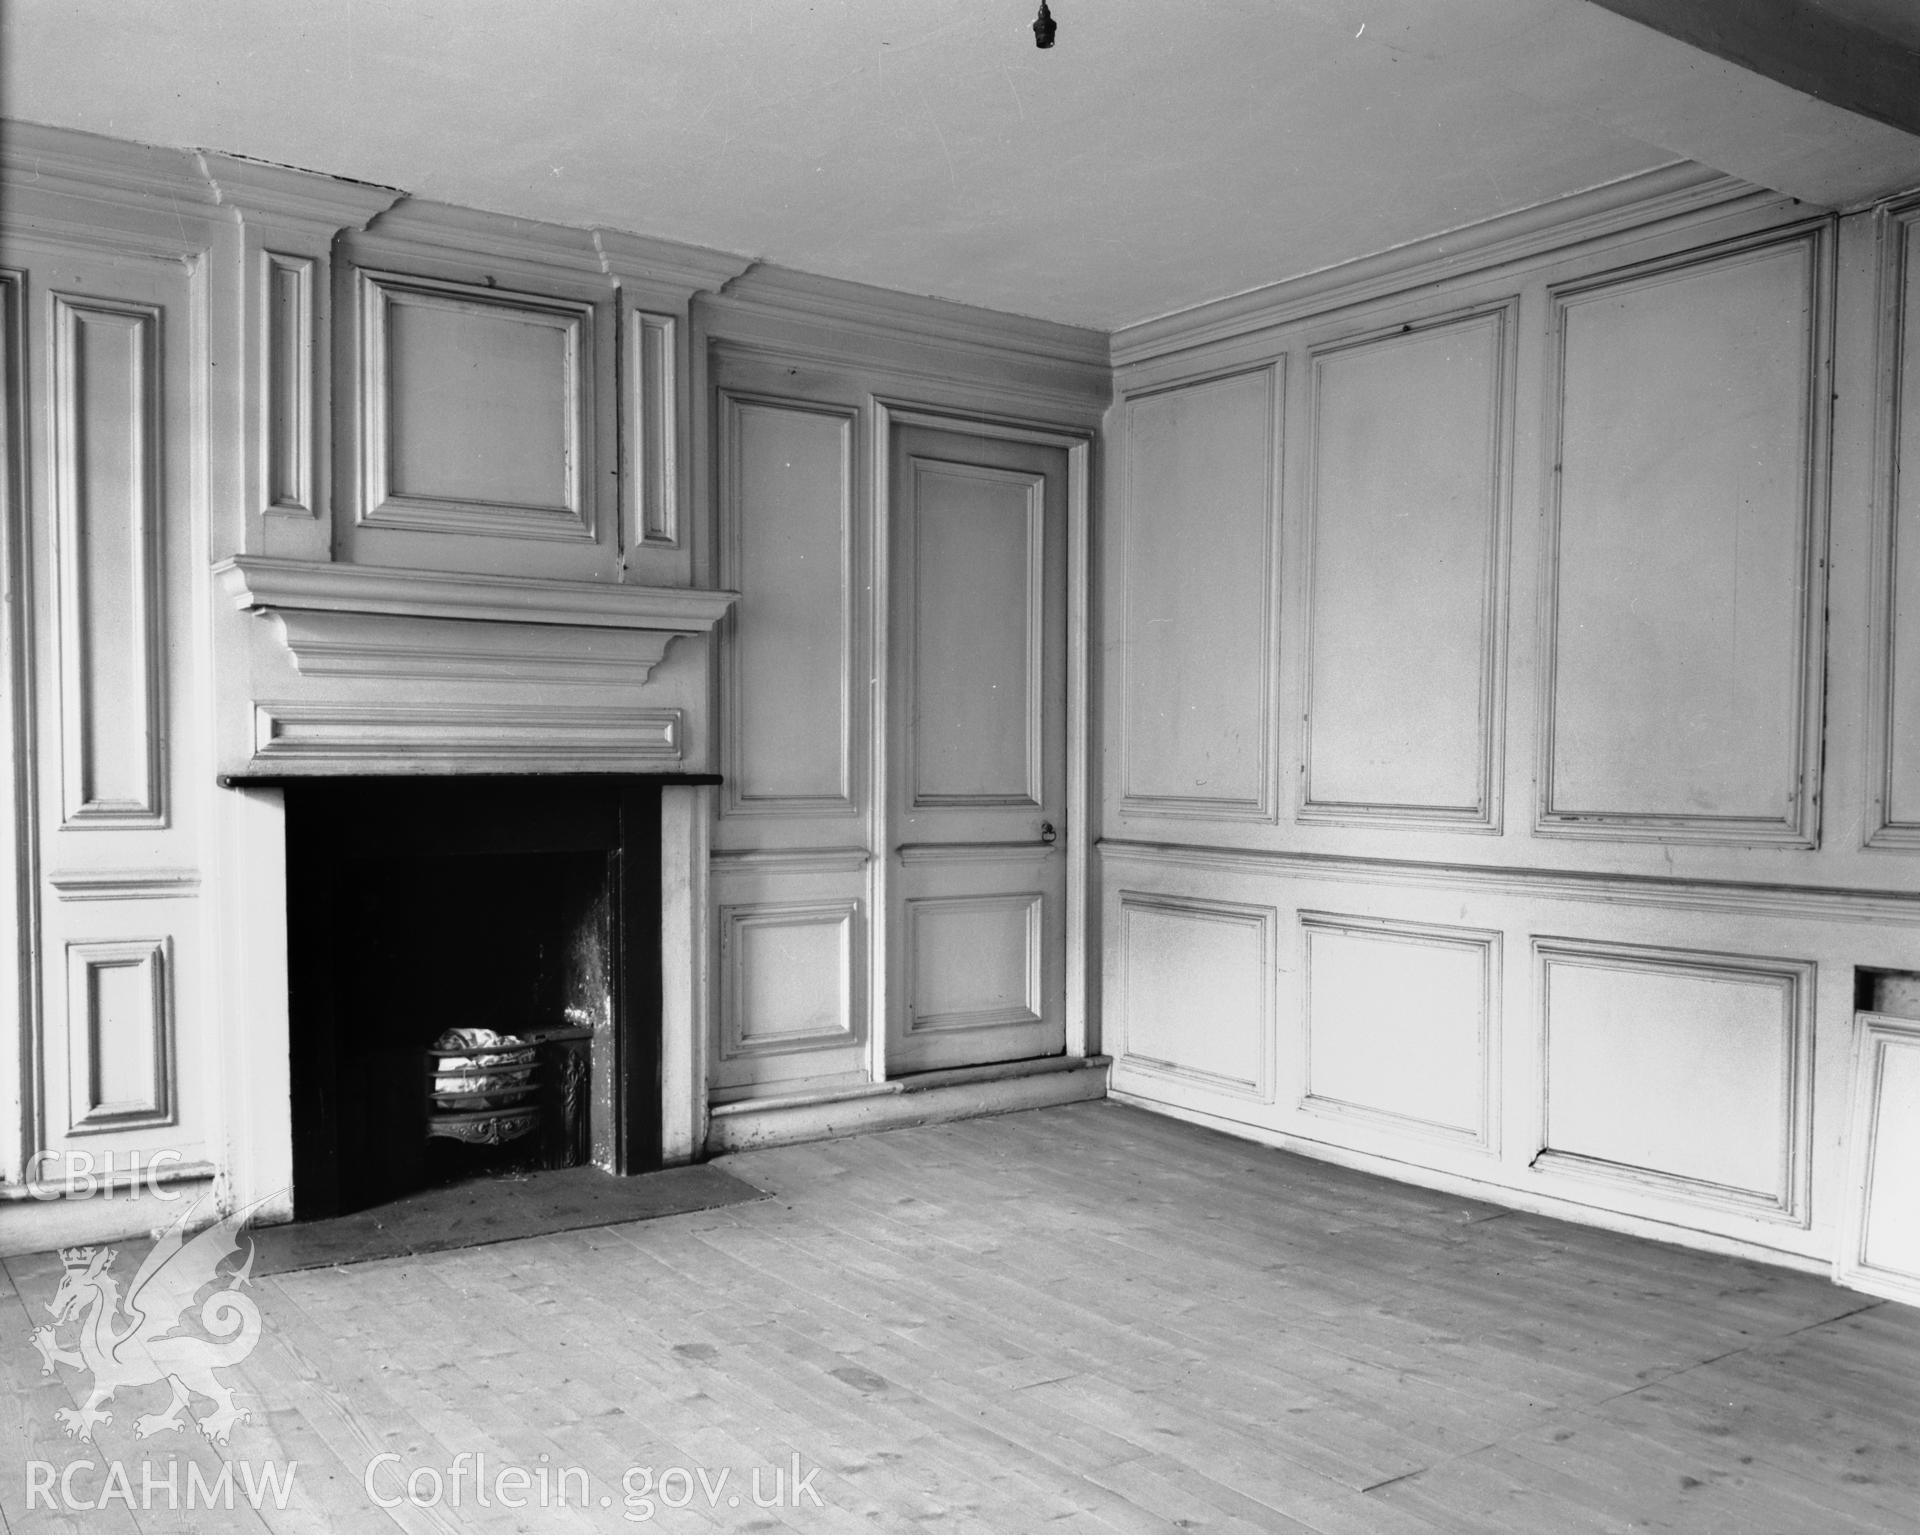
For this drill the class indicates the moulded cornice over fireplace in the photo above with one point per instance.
(261, 583)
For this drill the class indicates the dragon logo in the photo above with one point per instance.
(132, 1341)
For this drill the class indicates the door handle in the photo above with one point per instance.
(1047, 833)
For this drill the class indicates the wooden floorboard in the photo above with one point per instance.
(1086, 1319)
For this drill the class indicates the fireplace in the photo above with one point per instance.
(429, 916)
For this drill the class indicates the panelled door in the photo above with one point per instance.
(977, 757)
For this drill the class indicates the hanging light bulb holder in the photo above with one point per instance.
(1044, 27)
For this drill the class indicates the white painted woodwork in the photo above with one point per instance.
(1398, 1022)
(1406, 590)
(1681, 683)
(258, 584)
(975, 961)
(664, 539)
(977, 779)
(1881, 1244)
(419, 738)
(787, 539)
(1685, 1068)
(284, 312)
(686, 969)
(787, 976)
(1195, 993)
(365, 669)
(289, 404)
(19, 881)
(109, 1038)
(120, 1027)
(479, 369)
(1896, 639)
(978, 649)
(650, 437)
(476, 411)
(106, 489)
(1197, 635)
(928, 1098)
(792, 963)
(1655, 452)
(428, 649)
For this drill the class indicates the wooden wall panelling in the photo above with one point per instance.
(979, 560)
(792, 546)
(107, 249)
(19, 860)
(650, 430)
(791, 975)
(1686, 557)
(444, 737)
(1880, 1245)
(1400, 1024)
(105, 420)
(663, 525)
(120, 1036)
(125, 1045)
(477, 412)
(1682, 1072)
(479, 420)
(1197, 600)
(1894, 653)
(1405, 574)
(824, 368)
(283, 296)
(1191, 992)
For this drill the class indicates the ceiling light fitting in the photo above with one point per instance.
(1044, 27)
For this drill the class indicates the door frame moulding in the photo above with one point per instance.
(889, 413)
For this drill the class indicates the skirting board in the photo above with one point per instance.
(41, 1225)
(933, 1099)
(1490, 1193)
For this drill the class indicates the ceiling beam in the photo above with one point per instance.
(1798, 44)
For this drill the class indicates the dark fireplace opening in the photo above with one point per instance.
(475, 981)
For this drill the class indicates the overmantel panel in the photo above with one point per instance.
(477, 415)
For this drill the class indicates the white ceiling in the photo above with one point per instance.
(1164, 153)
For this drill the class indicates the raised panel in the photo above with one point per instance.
(119, 1036)
(1197, 645)
(1881, 1249)
(288, 378)
(1682, 671)
(1679, 1071)
(476, 408)
(788, 979)
(979, 635)
(507, 733)
(1896, 701)
(1405, 577)
(650, 431)
(974, 962)
(1399, 1024)
(106, 486)
(1196, 992)
(787, 509)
